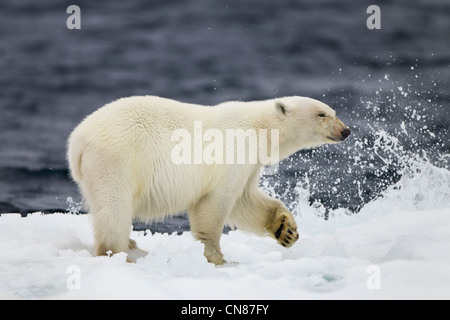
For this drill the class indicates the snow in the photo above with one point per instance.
(396, 247)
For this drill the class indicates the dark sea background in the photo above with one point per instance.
(390, 86)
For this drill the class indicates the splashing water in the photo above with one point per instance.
(73, 207)
(396, 157)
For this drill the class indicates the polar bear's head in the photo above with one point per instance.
(307, 123)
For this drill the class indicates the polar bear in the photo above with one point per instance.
(123, 158)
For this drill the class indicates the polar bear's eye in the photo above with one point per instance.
(321, 115)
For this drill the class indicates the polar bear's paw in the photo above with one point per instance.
(284, 229)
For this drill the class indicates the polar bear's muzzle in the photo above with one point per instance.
(341, 136)
(340, 132)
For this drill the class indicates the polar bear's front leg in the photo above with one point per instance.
(207, 219)
(283, 227)
(258, 213)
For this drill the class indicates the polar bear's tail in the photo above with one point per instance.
(74, 155)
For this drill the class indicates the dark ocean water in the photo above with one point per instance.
(390, 86)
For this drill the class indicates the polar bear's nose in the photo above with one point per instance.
(345, 133)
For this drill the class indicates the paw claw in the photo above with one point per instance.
(284, 229)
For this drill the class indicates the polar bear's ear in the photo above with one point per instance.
(283, 109)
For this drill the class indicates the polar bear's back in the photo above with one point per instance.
(146, 112)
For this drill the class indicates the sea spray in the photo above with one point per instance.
(397, 157)
(73, 207)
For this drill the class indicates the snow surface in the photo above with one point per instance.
(396, 247)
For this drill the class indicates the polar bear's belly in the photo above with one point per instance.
(170, 191)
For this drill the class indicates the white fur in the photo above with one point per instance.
(120, 156)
